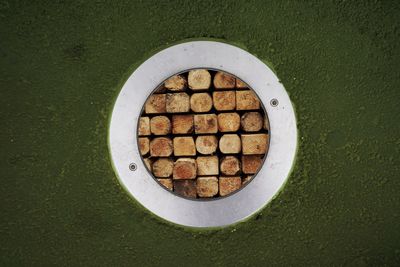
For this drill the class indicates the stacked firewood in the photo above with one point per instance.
(203, 134)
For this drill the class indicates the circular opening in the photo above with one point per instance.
(203, 134)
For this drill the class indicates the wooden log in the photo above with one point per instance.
(163, 167)
(182, 124)
(185, 168)
(240, 84)
(247, 100)
(185, 188)
(230, 144)
(184, 146)
(201, 102)
(228, 185)
(205, 123)
(176, 83)
(230, 165)
(223, 80)
(254, 143)
(228, 122)
(156, 103)
(251, 164)
(206, 144)
(161, 147)
(177, 102)
(224, 100)
(167, 183)
(199, 79)
(207, 186)
(160, 125)
(144, 145)
(266, 123)
(246, 179)
(148, 162)
(252, 121)
(207, 165)
(144, 126)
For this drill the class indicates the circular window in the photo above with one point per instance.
(203, 134)
(187, 140)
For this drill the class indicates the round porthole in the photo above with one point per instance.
(203, 134)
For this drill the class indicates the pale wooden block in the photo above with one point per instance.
(247, 100)
(201, 102)
(163, 167)
(223, 80)
(144, 145)
(207, 165)
(240, 84)
(148, 162)
(177, 102)
(207, 186)
(252, 121)
(184, 146)
(160, 125)
(144, 126)
(228, 185)
(228, 122)
(176, 83)
(224, 100)
(254, 143)
(182, 124)
(185, 168)
(167, 183)
(230, 144)
(206, 144)
(161, 147)
(205, 123)
(199, 79)
(230, 165)
(156, 103)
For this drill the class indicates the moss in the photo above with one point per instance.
(62, 65)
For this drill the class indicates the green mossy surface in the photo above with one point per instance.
(62, 64)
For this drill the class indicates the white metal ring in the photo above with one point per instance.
(223, 211)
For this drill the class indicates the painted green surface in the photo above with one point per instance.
(62, 64)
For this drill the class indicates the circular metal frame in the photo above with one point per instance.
(222, 211)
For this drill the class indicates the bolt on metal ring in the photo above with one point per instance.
(274, 102)
(132, 167)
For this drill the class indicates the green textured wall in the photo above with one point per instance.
(62, 64)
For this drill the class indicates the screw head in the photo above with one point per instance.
(274, 102)
(132, 167)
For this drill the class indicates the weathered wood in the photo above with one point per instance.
(144, 126)
(182, 124)
(161, 147)
(185, 188)
(163, 167)
(207, 186)
(224, 100)
(205, 123)
(156, 103)
(228, 122)
(252, 121)
(160, 125)
(247, 100)
(199, 79)
(177, 102)
(240, 84)
(230, 144)
(254, 143)
(176, 83)
(185, 168)
(228, 185)
(230, 165)
(207, 165)
(184, 146)
(206, 144)
(201, 102)
(148, 162)
(144, 145)
(223, 80)
(167, 183)
(251, 164)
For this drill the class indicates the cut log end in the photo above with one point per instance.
(199, 79)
